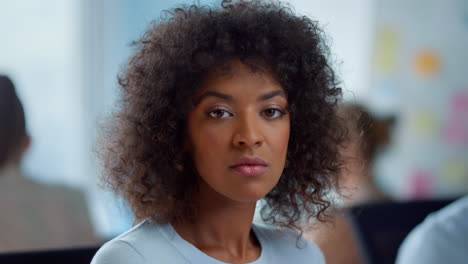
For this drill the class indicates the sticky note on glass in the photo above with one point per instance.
(386, 48)
(424, 123)
(420, 184)
(455, 172)
(456, 127)
(427, 63)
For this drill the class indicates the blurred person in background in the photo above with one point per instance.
(441, 238)
(367, 136)
(33, 216)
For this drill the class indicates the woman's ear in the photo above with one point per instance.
(26, 144)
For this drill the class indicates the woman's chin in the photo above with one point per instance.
(249, 196)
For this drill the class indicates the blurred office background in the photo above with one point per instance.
(400, 58)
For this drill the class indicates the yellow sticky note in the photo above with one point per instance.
(386, 48)
(455, 171)
(424, 123)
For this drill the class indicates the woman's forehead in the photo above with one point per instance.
(230, 68)
(237, 71)
(239, 82)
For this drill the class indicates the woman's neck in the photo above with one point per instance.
(222, 228)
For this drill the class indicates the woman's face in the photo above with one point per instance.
(238, 133)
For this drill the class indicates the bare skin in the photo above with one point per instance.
(222, 230)
(238, 134)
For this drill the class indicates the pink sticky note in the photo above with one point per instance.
(459, 103)
(456, 132)
(420, 184)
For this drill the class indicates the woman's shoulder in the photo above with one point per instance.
(289, 245)
(118, 251)
(144, 243)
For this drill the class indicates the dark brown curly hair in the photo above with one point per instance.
(143, 154)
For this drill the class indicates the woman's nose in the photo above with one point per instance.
(247, 132)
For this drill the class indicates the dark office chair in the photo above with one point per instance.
(69, 256)
(381, 227)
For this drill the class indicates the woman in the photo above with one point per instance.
(220, 108)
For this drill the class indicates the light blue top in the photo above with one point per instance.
(441, 238)
(160, 244)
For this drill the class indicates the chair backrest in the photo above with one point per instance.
(69, 256)
(381, 227)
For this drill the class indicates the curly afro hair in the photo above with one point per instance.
(143, 154)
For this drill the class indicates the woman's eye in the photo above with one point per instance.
(219, 113)
(273, 113)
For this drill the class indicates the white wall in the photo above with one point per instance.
(350, 27)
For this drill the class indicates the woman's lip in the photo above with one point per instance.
(250, 169)
(250, 161)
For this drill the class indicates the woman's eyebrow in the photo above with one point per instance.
(271, 95)
(227, 97)
(213, 94)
